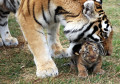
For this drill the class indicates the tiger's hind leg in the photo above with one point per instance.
(56, 49)
(7, 39)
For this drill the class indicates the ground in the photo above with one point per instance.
(17, 65)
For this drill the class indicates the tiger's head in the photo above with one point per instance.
(10, 5)
(91, 23)
(102, 27)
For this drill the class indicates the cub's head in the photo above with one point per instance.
(103, 31)
(89, 52)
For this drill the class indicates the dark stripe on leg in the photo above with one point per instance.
(3, 16)
(28, 2)
(12, 7)
(4, 12)
(55, 20)
(12, 2)
(34, 15)
(44, 17)
(49, 7)
(4, 24)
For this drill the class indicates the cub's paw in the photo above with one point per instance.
(101, 72)
(11, 41)
(47, 70)
(1, 42)
(83, 74)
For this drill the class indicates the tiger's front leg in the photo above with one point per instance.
(35, 37)
(56, 49)
(7, 39)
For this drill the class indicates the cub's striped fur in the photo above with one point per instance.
(7, 6)
(87, 58)
(82, 19)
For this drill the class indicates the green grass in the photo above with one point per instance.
(17, 65)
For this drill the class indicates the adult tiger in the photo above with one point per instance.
(79, 18)
(7, 6)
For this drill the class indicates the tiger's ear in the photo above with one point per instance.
(100, 1)
(89, 10)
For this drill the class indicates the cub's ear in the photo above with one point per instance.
(88, 9)
(100, 1)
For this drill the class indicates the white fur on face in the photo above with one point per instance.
(104, 26)
(96, 36)
(88, 32)
(75, 30)
(98, 0)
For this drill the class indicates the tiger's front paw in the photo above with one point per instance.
(11, 41)
(48, 69)
(1, 42)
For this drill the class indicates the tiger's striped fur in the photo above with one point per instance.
(80, 18)
(97, 29)
(7, 6)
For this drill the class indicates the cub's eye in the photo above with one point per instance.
(86, 52)
(94, 48)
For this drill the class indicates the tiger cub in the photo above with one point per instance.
(7, 6)
(88, 59)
